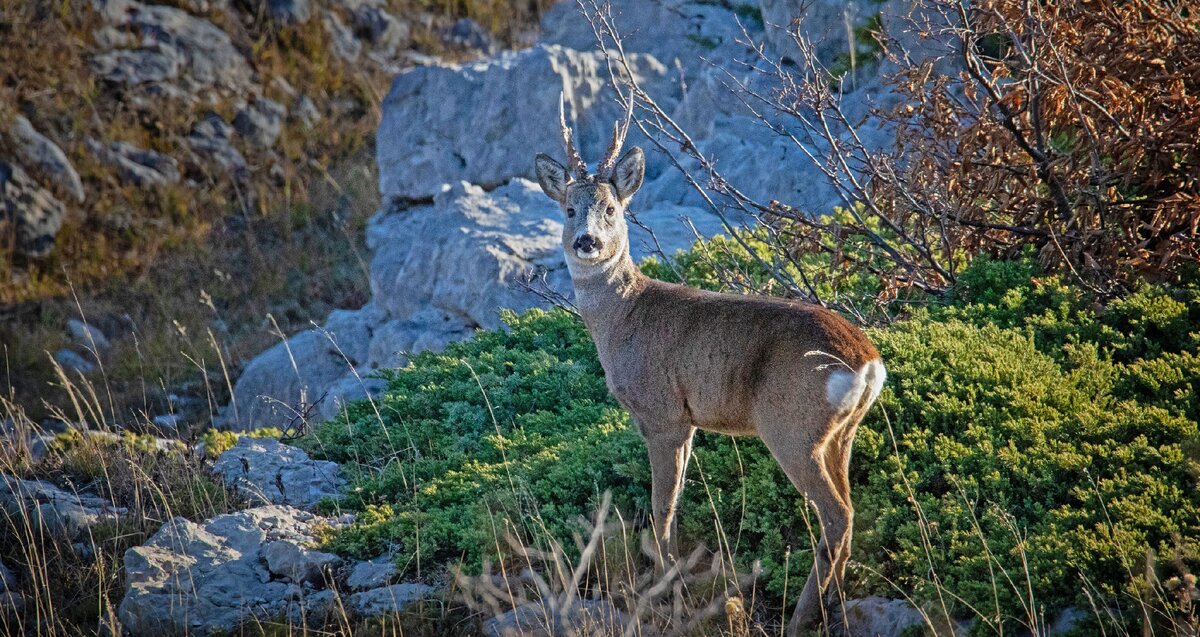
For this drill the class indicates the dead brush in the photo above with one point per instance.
(611, 588)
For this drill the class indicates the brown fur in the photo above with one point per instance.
(681, 359)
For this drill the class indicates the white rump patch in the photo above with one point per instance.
(844, 389)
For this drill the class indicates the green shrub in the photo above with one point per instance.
(1022, 415)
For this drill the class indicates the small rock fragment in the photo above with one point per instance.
(261, 122)
(39, 153)
(87, 335)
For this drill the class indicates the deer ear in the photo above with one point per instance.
(627, 176)
(552, 177)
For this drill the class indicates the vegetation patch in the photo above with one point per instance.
(1032, 447)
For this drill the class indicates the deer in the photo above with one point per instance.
(678, 359)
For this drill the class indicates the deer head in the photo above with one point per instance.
(594, 232)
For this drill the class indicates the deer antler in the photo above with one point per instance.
(574, 161)
(620, 130)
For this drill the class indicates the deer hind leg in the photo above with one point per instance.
(669, 454)
(810, 474)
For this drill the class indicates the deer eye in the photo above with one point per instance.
(570, 212)
(610, 211)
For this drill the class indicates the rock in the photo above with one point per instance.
(347, 389)
(53, 510)
(824, 22)
(41, 155)
(299, 564)
(260, 122)
(289, 11)
(207, 57)
(33, 213)
(8, 579)
(589, 617)
(154, 63)
(210, 578)
(266, 470)
(211, 138)
(380, 28)
(345, 45)
(12, 604)
(72, 363)
(389, 599)
(498, 122)
(87, 335)
(136, 166)
(306, 111)
(167, 424)
(881, 617)
(301, 369)
(370, 574)
(672, 31)
(469, 34)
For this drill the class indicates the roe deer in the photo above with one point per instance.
(797, 375)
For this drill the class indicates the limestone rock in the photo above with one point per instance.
(370, 574)
(881, 617)
(54, 510)
(260, 122)
(209, 578)
(389, 599)
(268, 471)
(34, 214)
(73, 363)
(589, 617)
(299, 564)
(211, 139)
(345, 45)
(87, 335)
(41, 155)
(137, 166)
(498, 122)
(289, 11)
(821, 21)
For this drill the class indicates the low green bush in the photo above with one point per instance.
(1028, 439)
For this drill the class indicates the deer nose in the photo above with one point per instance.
(587, 243)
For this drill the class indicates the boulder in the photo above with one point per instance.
(210, 578)
(881, 617)
(73, 363)
(211, 140)
(299, 564)
(380, 28)
(589, 617)
(370, 574)
(265, 470)
(345, 45)
(301, 369)
(149, 64)
(34, 215)
(53, 510)
(39, 154)
(137, 166)
(184, 47)
(260, 122)
(87, 335)
(504, 113)
(468, 34)
(289, 12)
(389, 599)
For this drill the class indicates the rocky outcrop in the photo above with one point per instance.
(264, 470)
(209, 578)
(503, 109)
(259, 564)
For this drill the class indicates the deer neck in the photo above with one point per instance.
(606, 292)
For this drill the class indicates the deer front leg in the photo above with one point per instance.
(669, 454)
